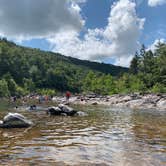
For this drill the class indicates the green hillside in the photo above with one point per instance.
(28, 69)
(25, 70)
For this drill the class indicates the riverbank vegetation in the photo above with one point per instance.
(26, 70)
(147, 74)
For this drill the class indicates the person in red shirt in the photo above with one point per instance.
(68, 94)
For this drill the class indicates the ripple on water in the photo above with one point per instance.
(107, 136)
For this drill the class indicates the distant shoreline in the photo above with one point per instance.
(135, 101)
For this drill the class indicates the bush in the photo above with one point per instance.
(21, 91)
(159, 88)
(50, 92)
(4, 91)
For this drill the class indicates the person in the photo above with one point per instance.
(68, 94)
(40, 99)
(14, 99)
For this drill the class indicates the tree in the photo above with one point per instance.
(4, 91)
(134, 64)
(12, 86)
(142, 51)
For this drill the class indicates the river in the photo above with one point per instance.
(106, 136)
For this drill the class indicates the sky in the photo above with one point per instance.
(109, 31)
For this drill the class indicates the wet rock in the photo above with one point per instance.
(61, 110)
(80, 113)
(54, 111)
(15, 120)
(32, 107)
(66, 109)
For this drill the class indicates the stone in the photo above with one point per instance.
(61, 110)
(15, 120)
(161, 104)
(54, 111)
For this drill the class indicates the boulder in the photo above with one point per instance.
(33, 107)
(15, 120)
(67, 110)
(54, 111)
(61, 110)
(162, 104)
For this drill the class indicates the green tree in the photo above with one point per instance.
(12, 86)
(4, 91)
(134, 64)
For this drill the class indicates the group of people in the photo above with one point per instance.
(41, 99)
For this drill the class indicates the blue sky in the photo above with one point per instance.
(87, 29)
(155, 25)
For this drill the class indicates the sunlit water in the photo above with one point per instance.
(107, 136)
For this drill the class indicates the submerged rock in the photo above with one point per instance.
(15, 120)
(61, 110)
(80, 113)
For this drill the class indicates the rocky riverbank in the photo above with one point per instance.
(138, 101)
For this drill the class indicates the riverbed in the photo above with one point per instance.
(106, 136)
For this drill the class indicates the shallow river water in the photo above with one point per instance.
(106, 136)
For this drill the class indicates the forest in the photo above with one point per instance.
(27, 71)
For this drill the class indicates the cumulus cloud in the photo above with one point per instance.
(119, 39)
(26, 19)
(60, 22)
(153, 47)
(154, 3)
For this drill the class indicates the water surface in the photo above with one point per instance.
(107, 136)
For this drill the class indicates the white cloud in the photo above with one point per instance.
(153, 47)
(26, 19)
(60, 22)
(119, 39)
(154, 3)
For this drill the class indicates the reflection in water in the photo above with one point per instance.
(107, 136)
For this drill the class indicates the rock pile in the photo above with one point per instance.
(135, 100)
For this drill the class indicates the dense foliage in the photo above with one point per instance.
(25, 70)
(147, 74)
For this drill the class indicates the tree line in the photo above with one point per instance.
(24, 70)
(147, 74)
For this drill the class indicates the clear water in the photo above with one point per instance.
(107, 136)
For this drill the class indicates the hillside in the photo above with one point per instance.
(100, 67)
(35, 69)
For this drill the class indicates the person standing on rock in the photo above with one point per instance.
(68, 94)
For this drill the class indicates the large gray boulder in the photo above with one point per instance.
(61, 110)
(15, 120)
